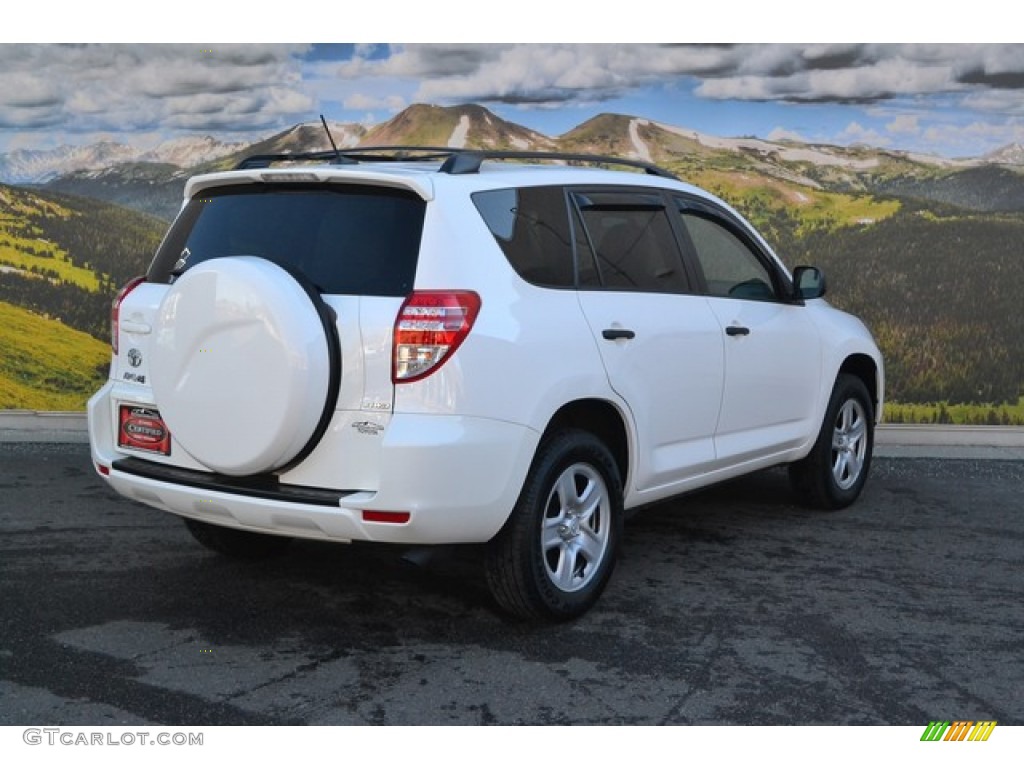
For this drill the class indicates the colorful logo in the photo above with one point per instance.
(961, 730)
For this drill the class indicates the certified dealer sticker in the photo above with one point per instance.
(143, 429)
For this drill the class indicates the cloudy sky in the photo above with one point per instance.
(948, 99)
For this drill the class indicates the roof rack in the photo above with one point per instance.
(456, 161)
(469, 160)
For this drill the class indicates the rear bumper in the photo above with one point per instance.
(457, 477)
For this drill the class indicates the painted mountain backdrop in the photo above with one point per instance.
(929, 251)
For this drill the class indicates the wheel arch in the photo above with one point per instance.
(866, 369)
(602, 419)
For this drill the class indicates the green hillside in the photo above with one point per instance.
(61, 261)
(64, 257)
(938, 286)
(942, 296)
(45, 365)
(23, 248)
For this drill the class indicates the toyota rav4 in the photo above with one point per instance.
(424, 346)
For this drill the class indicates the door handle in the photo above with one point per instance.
(617, 333)
(139, 328)
(737, 330)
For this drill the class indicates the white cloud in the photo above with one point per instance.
(545, 73)
(860, 83)
(855, 133)
(123, 88)
(964, 139)
(1001, 101)
(391, 103)
(907, 125)
(536, 73)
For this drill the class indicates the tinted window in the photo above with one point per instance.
(730, 268)
(586, 263)
(346, 240)
(532, 227)
(632, 241)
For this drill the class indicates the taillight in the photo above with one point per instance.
(430, 327)
(115, 308)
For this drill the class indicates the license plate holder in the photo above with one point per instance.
(141, 428)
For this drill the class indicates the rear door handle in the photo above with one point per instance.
(737, 330)
(139, 328)
(617, 333)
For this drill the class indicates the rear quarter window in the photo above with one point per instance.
(531, 224)
(357, 240)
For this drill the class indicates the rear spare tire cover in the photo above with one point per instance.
(243, 363)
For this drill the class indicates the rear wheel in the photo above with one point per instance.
(554, 556)
(834, 472)
(241, 545)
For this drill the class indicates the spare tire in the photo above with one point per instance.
(245, 364)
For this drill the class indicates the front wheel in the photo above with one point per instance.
(834, 472)
(556, 552)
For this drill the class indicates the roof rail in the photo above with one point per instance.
(469, 160)
(456, 161)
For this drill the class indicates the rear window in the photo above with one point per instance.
(356, 240)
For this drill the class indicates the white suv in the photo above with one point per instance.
(426, 346)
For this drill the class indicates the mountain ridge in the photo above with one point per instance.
(151, 183)
(925, 251)
(466, 125)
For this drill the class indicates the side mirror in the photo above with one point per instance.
(808, 283)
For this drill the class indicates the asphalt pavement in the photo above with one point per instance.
(729, 606)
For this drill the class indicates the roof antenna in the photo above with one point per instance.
(337, 155)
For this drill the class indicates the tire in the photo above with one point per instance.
(241, 545)
(555, 554)
(834, 472)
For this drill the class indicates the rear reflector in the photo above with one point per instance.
(375, 516)
(429, 328)
(105, 471)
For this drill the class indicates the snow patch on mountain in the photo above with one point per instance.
(458, 138)
(640, 148)
(31, 166)
(34, 166)
(1011, 154)
(188, 151)
(345, 134)
(805, 154)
